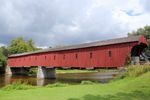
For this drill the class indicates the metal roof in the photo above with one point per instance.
(84, 45)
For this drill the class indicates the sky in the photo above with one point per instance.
(67, 22)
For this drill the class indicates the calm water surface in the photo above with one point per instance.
(70, 78)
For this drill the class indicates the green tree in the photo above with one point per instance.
(19, 45)
(142, 31)
(31, 45)
(3, 60)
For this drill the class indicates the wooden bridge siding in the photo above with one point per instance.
(100, 57)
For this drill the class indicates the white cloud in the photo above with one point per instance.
(53, 22)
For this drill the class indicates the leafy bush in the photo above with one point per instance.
(87, 83)
(137, 70)
(32, 71)
(3, 59)
(56, 85)
(17, 86)
(128, 60)
(134, 71)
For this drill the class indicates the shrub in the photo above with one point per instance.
(134, 71)
(137, 70)
(17, 86)
(56, 85)
(128, 60)
(32, 71)
(87, 83)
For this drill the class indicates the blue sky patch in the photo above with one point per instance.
(133, 13)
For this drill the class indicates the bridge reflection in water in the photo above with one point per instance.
(70, 78)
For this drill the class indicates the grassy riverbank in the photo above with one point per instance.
(133, 85)
(83, 70)
(33, 71)
(74, 71)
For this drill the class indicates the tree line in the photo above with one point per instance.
(142, 31)
(17, 45)
(145, 31)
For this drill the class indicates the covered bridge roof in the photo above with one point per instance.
(85, 45)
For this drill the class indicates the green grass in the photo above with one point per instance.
(83, 70)
(134, 71)
(74, 71)
(17, 86)
(56, 85)
(88, 83)
(129, 88)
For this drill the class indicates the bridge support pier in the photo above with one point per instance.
(8, 70)
(44, 72)
(16, 70)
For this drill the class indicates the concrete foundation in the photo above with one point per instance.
(8, 70)
(44, 72)
(135, 60)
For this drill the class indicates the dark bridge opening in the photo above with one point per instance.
(137, 52)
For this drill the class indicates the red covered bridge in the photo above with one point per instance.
(101, 54)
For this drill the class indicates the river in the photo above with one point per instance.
(70, 78)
